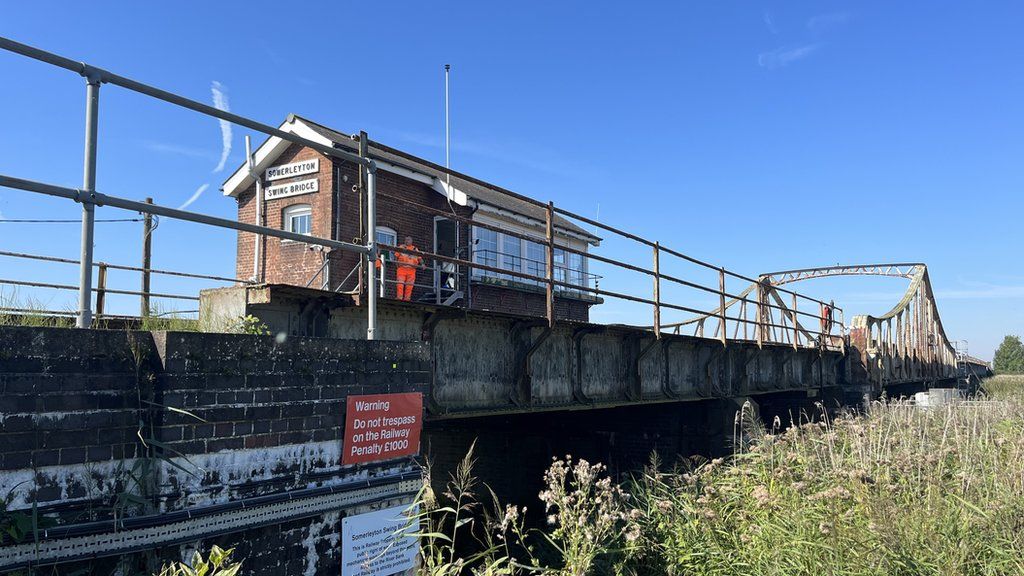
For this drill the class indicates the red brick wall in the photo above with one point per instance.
(284, 261)
(500, 299)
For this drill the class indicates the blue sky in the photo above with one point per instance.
(756, 135)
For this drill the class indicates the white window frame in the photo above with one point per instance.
(386, 230)
(288, 213)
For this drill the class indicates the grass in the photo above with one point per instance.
(1005, 386)
(161, 319)
(18, 310)
(898, 490)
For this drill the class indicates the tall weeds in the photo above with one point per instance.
(898, 490)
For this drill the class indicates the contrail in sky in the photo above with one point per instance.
(198, 193)
(220, 102)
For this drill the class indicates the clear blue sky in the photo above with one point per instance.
(759, 136)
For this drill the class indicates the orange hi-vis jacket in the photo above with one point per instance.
(407, 260)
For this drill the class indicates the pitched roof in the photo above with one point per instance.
(480, 191)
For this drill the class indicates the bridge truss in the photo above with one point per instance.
(906, 344)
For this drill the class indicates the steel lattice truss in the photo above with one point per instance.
(907, 343)
(894, 270)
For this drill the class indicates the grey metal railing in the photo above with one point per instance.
(89, 198)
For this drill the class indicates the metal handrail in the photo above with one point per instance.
(96, 290)
(123, 267)
(89, 198)
(498, 256)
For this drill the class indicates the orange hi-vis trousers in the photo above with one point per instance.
(406, 276)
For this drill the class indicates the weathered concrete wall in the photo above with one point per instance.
(97, 425)
(491, 362)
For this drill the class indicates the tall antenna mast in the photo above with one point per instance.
(447, 128)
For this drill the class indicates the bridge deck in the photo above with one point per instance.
(489, 362)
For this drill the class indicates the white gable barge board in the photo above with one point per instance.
(300, 168)
(266, 154)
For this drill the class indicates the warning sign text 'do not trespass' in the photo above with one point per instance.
(382, 427)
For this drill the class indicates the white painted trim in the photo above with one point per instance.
(274, 146)
(267, 153)
(534, 224)
(451, 192)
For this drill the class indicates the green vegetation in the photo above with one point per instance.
(1009, 357)
(250, 324)
(898, 490)
(217, 563)
(18, 310)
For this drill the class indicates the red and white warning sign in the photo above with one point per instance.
(382, 427)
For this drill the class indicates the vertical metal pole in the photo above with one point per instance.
(250, 163)
(363, 151)
(796, 335)
(447, 131)
(371, 245)
(550, 270)
(101, 289)
(657, 290)
(92, 101)
(759, 327)
(721, 304)
(147, 254)
(743, 310)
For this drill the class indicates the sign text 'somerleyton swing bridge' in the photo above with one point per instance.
(285, 445)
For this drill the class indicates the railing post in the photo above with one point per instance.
(759, 326)
(721, 303)
(657, 290)
(147, 253)
(371, 246)
(796, 333)
(549, 234)
(92, 104)
(101, 289)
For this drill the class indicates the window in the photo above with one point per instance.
(386, 235)
(485, 250)
(298, 218)
(536, 261)
(512, 253)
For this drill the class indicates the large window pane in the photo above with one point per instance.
(511, 256)
(485, 250)
(535, 260)
(560, 269)
(576, 269)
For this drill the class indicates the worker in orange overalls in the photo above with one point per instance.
(826, 317)
(405, 272)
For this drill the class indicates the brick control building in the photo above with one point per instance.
(308, 192)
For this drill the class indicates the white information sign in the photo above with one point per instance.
(294, 169)
(378, 543)
(292, 189)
